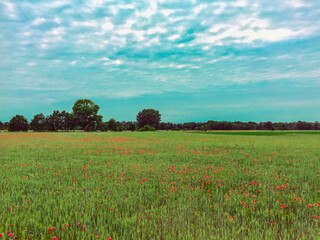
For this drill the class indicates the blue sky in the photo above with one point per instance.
(247, 60)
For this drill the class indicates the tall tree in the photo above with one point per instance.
(86, 114)
(149, 117)
(1, 125)
(38, 123)
(18, 123)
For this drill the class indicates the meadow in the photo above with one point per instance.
(160, 185)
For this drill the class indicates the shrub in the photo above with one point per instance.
(146, 128)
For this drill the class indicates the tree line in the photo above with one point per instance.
(84, 116)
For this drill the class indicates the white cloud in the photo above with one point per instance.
(32, 64)
(199, 8)
(57, 20)
(10, 8)
(239, 3)
(56, 4)
(118, 62)
(272, 35)
(219, 7)
(152, 42)
(156, 30)
(111, 62)
(167, 12)
(296, 3)
(38, 21)
(104, 59)
(27, 33)
(150, 11)
(56, 31)
(90, 23)
(107, 26)
(127, 6)
(139, 34)
(73, 63)
(245, 30)
(174, 37)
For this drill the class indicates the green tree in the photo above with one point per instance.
(267, 125)
(68, 121)
(132, 127)
(55, 121)
(86, 114)
(112, 125)
(149, 117)
(38, 123)
(1, 125)
(18, 123)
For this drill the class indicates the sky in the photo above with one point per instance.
(234, 60)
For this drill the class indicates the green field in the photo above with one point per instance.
(160, 185)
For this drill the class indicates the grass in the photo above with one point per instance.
(159, 185)
(258, 133)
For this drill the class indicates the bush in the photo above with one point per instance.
(146, 128)
(132, 127)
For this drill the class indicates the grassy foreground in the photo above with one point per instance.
(160, 185)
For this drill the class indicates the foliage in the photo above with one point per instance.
(132, 127)
(102, 126)
(85, 117)
(146, 128)
(55, 121)
(112, 125)
(38, 123)
(18, 123)
(148, 117)
(86, 114)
